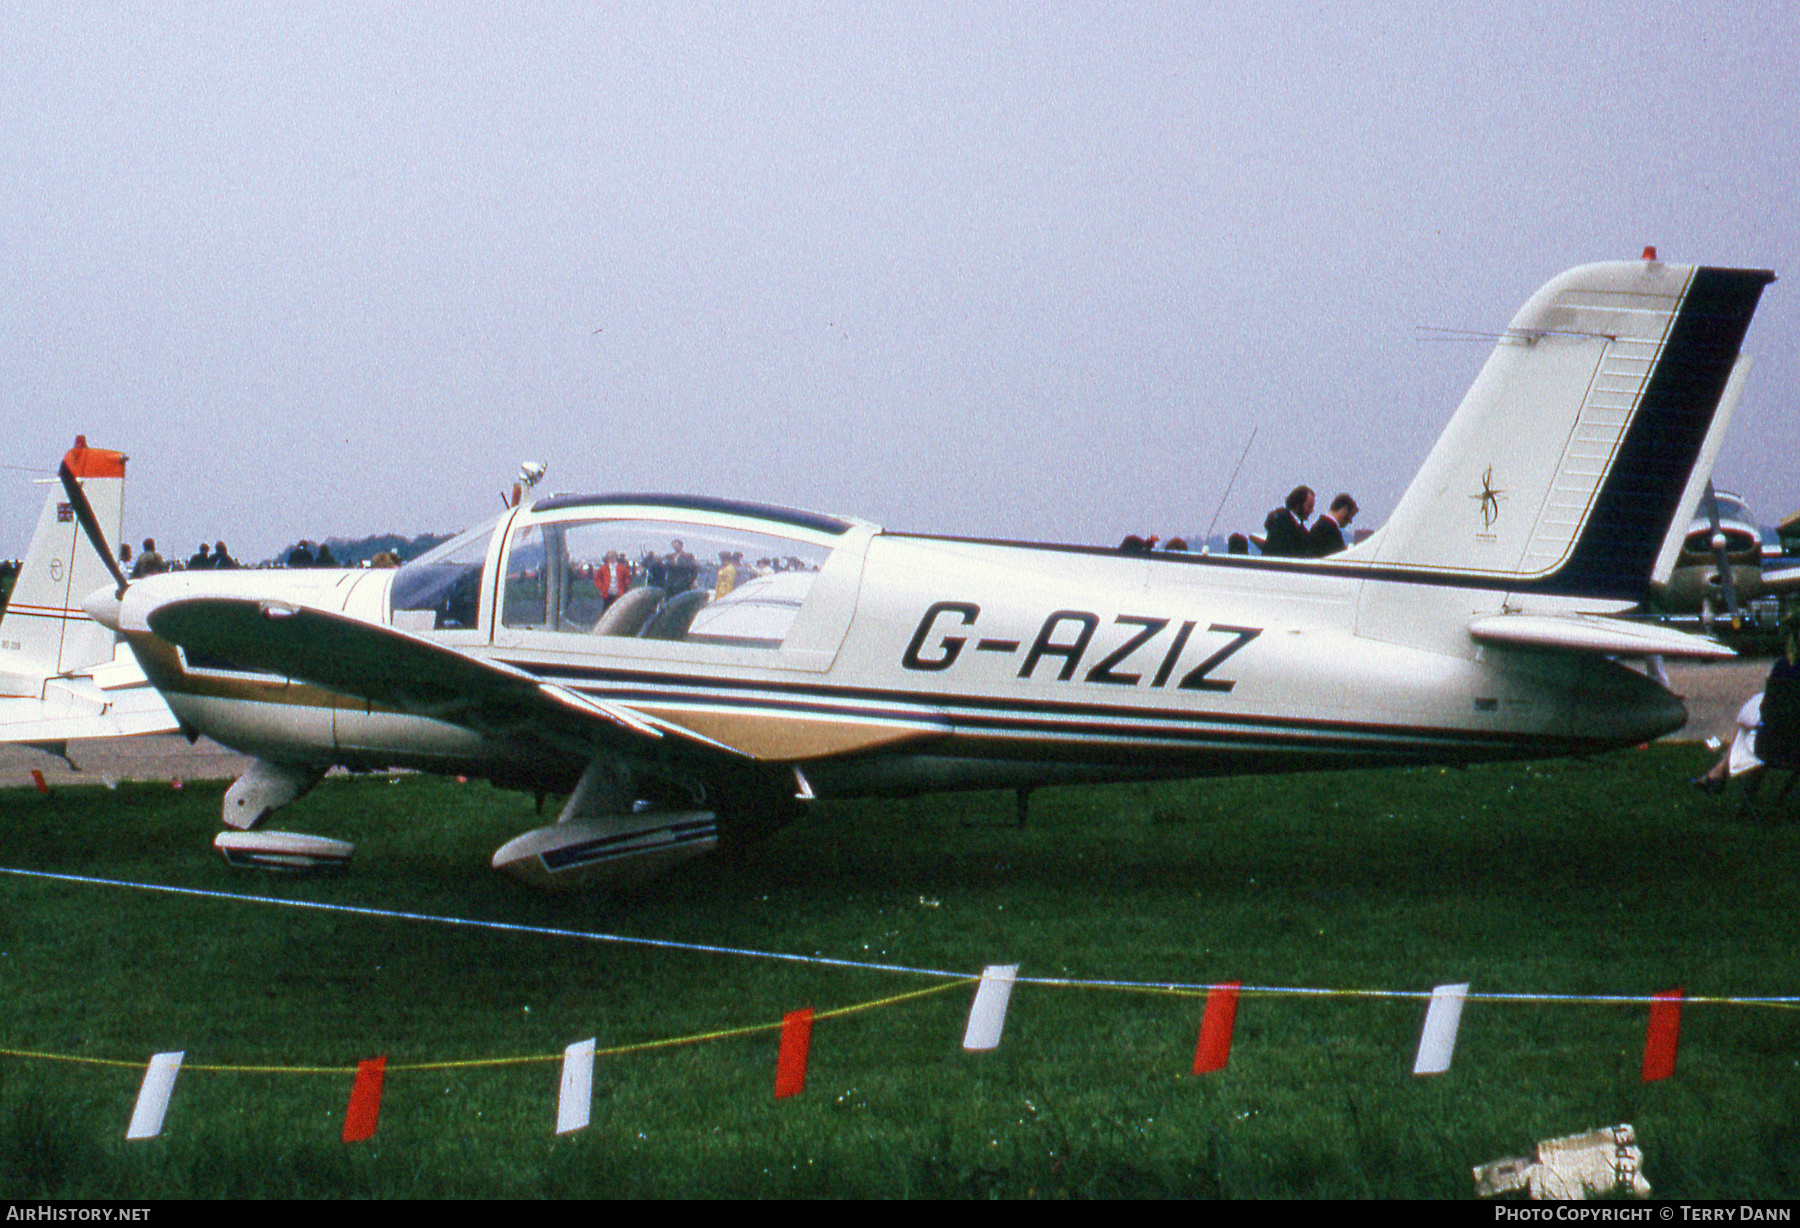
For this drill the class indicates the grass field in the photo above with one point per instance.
(1606, 876)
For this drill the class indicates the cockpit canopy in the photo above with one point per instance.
(649, 567)
(658, 580)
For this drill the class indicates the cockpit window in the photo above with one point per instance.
(1730, 508)
(441, 589)
(659, 580)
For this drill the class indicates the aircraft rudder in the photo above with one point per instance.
(1573, 450)
(44, 631)
(1644, 487)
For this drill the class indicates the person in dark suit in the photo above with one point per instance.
(1285, 528)
(1327, 534)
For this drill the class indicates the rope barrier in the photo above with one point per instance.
(473, 1063)
(1177, 988)
(1436, 1048)
(499, 926)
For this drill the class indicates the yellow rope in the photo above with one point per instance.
(902, 997)
(892, 1000)
(66, 1057)
(472, 1063)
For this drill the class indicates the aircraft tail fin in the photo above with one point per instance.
(1584, 436)
(44, 631)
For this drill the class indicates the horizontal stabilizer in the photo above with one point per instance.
(1586, 633)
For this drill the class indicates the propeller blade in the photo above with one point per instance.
(1721, 559)
(84, 513)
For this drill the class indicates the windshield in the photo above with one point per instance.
(441, 589)
(1730, 508)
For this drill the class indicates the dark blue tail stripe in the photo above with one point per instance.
(1641, 493)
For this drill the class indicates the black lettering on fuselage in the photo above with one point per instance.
(1174, 655)
(1070, 653)
(1052, 641)
(950, 645)
(1103, 672)
(1197, 679)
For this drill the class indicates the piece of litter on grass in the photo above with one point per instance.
(1600, 1163)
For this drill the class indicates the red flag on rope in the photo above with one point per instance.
(1215, 1028)
(365, 1100)
(37, 778)
(790, 1066)
(1659, 1043)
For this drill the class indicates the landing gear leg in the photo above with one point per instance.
(266, 788)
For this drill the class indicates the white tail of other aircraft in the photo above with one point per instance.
(44, 631)
(1589, 432)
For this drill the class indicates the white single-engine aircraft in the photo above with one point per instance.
(748, 656)
(62, 675)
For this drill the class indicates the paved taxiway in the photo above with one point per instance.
(1713, 694)
(161, 756)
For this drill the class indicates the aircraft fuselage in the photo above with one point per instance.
(920, 663)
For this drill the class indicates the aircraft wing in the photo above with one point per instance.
(400, 670)
(113, 700)
(76, 708)
(1586, 633)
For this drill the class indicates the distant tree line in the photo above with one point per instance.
(354, 552)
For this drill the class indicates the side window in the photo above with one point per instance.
(659, 580)
(441, 589)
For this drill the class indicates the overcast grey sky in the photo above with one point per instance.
(1013, 270)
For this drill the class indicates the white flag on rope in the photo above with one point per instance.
(153, 1096)
(575, 1099)
(988, 1016)
(1438, 1041)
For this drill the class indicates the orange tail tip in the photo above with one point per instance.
(86, 462)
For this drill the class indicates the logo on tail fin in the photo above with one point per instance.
(1490, 499)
